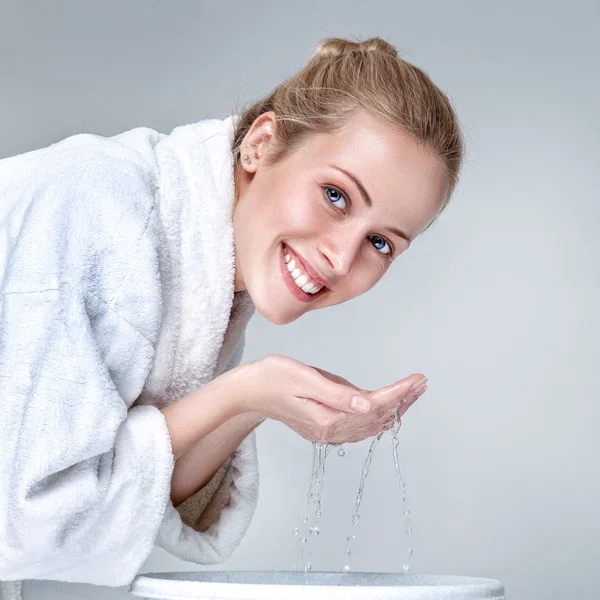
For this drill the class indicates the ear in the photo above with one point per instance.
(256, 142)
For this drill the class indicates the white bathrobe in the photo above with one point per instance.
(116, 299)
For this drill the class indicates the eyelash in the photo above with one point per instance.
(328, 187)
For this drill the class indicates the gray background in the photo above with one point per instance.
(497, 304)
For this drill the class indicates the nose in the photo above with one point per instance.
(341, 251)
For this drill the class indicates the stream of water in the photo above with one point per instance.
(310, 523)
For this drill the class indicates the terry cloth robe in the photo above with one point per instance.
(116, 299)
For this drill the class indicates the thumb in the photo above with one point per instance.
(397, 389)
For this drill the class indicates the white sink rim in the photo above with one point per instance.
(274, 585)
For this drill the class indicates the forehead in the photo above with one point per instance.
(401, 175)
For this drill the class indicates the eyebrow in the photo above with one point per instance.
(367, 199)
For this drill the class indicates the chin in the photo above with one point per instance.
(274, 316)
(267, 310)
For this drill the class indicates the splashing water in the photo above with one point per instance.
(361, 487)
(315, 493)
(405, 510)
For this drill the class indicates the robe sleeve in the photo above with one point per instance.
(84, 481)
(84, 477)
(208, 526)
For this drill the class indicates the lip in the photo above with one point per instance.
(289, 280)
(309, 270)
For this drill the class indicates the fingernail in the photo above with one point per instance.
(418, 391)
(415, 386)
(360, 404)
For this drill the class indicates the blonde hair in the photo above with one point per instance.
(345, 76)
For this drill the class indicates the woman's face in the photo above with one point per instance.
(343, 206)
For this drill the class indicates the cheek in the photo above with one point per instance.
(365, 276)
(297, 211)
(377, 268)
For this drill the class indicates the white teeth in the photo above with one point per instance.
(302, 280)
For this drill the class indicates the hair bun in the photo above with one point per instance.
(333, 47)
(377, 44)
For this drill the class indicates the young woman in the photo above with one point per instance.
(130, 267)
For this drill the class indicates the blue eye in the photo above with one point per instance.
(379, 243)
(335, 196)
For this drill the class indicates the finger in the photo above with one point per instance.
(413, 394)
(340, 396)
(338, 379)
(388, 423)
(322, 421)
(363, 424)
(360, 428)
(391, 394)
(404, 406)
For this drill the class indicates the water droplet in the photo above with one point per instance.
(315, 530)
(355, 519)
(350, 538)
(296, 531)
(305, 520)
(308, 566)
(304, 540)
(341, 452)
(407, 513)
(318, 514)
(346, 568)
(348, 552)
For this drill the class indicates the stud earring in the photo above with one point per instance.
(247, 158)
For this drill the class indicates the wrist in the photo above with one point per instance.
(201, 412)
(249, 420)
(241, 397)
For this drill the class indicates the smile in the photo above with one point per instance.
(297, 279)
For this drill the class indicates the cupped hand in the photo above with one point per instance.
(388, 405)
(319, 405)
